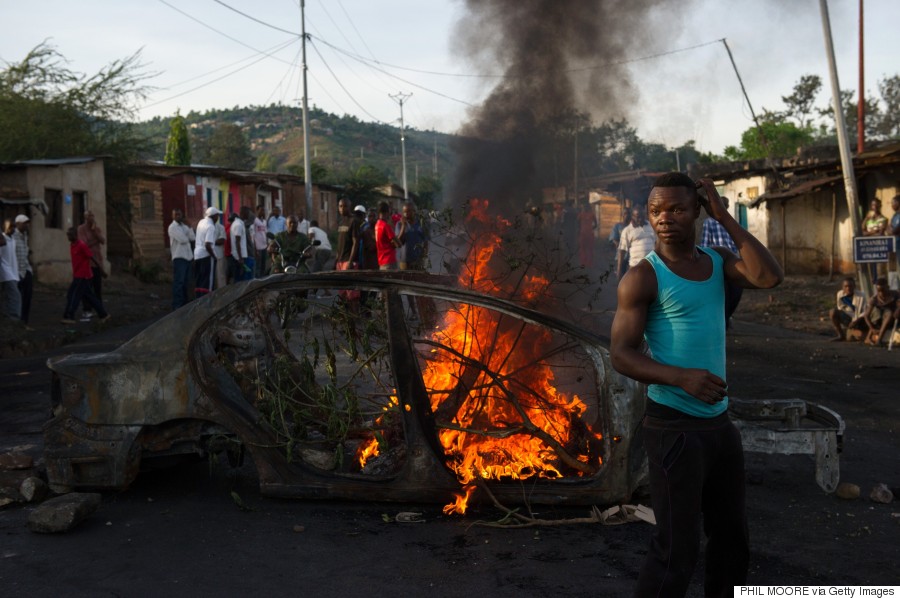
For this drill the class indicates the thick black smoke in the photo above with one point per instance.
(548, 52)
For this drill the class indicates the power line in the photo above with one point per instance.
(493, 76)
(389, 74)
(222, 33)
(254, 19)
(349, 95)
(226, 75)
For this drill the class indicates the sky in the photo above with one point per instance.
(205, 54)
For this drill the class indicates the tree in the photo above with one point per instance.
(361, 186)
(800, 102)
(888, 125)
(429, 191)
(178, 146)
(781, 139)
(50, 111)
(265, 163)
(229, 148)
(851, 115)
(320, 173)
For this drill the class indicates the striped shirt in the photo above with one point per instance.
(21, 240)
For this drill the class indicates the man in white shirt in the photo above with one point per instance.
(323, 251)
(221, 264)
(26, 273)
(10, 299)
(260, 242)
(204, 255)
(181, 237)
(849, 310)
(637, 241)
(238, 240)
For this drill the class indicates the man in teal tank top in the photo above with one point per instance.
(674, 299)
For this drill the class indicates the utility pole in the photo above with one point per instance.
(401, 97)
(861, 106)
(307, 169)
(575, 171)
(843, 143)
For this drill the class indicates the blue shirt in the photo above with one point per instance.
(277, 224)
(685, 329)
(413, 248)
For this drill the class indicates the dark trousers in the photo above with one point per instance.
(96, 286)
(261, 265)
(733, 294)
(696, 474)
(80, 291)
(26, 289)
(181, 279)
(204, 276)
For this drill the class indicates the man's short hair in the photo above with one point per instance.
(675, 179)
(850, 279)
(881, 281)
(384, 208)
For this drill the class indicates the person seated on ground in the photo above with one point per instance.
(850, 306)
(881, 311)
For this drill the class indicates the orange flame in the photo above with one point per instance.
(501, 415)
(370, 448)
(458, 507)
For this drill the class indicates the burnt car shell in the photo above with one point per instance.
(183, 381)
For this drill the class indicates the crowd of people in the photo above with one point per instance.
(247, 245)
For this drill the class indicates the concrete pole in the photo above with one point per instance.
(307, 169)
(843, 143)
(400, 98)
(861, 106)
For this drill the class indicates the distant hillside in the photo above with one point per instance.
(340, 144)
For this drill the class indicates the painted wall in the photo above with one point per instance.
(50, 247)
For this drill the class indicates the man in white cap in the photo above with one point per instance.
(10, 300)
(204, 260)
(26, 275)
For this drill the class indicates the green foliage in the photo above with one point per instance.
(777, 140)
(429, 192)
(889, 88)
(50, 111)
(361, 186)
(801, 100)
(178, 146)
(265, 163)
(320, 174)
(229, 148)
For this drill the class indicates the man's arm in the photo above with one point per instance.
(635, 294)
(756, 267)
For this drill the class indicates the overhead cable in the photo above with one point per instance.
(349, 95)
(222, 33)
(255, 20)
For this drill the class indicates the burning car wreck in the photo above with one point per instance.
(334, 399)
(392, 386)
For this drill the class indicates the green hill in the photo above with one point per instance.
(339, 144)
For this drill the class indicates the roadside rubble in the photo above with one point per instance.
(64, 512)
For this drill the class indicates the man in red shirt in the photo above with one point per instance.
(81, 280)
(385, 240)
(92, 236)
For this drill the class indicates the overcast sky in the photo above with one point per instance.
(209, 56)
